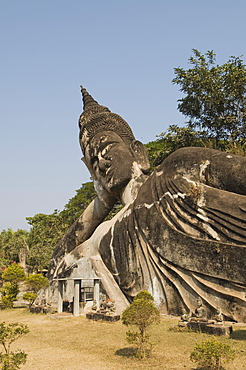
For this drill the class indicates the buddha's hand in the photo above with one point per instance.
(68, 262)
(104, 196)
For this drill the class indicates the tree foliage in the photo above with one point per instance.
(77, 204)
(11, 243)
(11, 360)
(141, 313)
(45, 232)
(174, 138)
(215, 95)
(36, 282)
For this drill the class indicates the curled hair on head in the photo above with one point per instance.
(96, 118)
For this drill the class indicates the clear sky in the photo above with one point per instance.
(122, 51)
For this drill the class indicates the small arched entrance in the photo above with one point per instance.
(83, 290)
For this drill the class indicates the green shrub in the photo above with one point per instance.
(211, 354)
(8, 334)
(14, 273)
(9, 292)
(141, 313)
(12, 360)
(36, 282)
(29, 297)
(11, 275)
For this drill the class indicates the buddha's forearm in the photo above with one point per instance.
(82, 229)
(91, 218)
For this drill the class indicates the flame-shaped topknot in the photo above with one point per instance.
(88, 102)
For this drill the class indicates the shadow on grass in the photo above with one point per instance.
(238, 334)
(205, 368)
(126, 352)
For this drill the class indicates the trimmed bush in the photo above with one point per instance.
(211, 354)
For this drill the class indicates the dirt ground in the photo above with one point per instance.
(61, 342)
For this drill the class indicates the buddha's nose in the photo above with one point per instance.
(103, 164)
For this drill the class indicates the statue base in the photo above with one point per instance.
(40, 309)
(102, 316)
(219, 329)
(210, 328)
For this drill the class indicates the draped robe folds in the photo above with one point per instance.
(184, 236)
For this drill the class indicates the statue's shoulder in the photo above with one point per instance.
(204, 165)
(183, 157)
(189, 158)
(201, 153)
(190, 153)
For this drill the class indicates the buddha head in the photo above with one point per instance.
(111, 152)
(199, 302)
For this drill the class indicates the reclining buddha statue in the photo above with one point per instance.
(181, 233)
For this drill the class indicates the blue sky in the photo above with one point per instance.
(123, 51)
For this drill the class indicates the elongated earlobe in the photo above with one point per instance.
(140, 153)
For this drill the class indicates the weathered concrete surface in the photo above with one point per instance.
(180, 242)
(182, 232)
(111, 287)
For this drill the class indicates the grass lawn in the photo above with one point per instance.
(75, 343)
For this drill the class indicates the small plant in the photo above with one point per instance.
(141, 313)
(195, 192)
(211, 354)
(34, 283)
(30, 298)
(8, 334)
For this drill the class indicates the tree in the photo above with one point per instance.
(77, 204)
(215, 95)
(178, 137)
(8, 334)
(11, 244)
(12, 275)
(142, 313)
(45, 232)
(175, 138)
(84, 196)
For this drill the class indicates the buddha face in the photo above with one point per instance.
(110, 161)
(199, 302)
